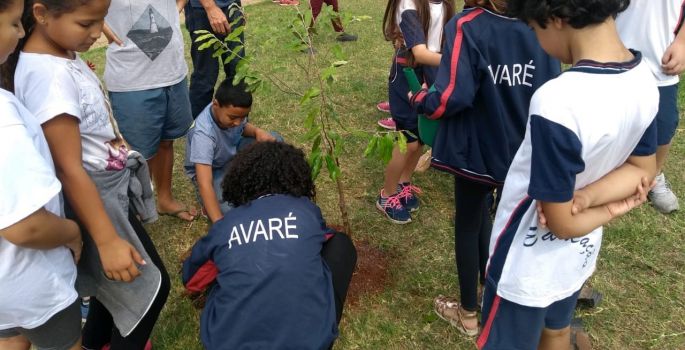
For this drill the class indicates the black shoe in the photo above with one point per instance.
(346, 37)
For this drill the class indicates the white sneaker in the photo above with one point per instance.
(662, 197)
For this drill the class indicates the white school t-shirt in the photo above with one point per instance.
(434, 37)
(50, 86)
(582, 125)
(649, 26)
(152, 55)
(34, 284)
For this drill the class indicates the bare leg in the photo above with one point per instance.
(661, 155)
(413, 155)
(555, 339)
(16, 343)
(161, 167)
(396, 168)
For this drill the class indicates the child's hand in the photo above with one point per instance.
(111, 36)
(76, 247)
(262, 136)
(411, 94)
(119, 260)
(623, 206)
(673, 62)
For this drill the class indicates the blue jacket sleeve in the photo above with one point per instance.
(200, 255)
(457, 80)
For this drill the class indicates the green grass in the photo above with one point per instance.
(640, 269)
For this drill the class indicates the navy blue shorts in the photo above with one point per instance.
(149, 116)
(667, 118)
(509, 325)
(405, 117)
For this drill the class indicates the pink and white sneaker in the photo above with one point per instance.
(383, 106)
(387, 123)
(288, 2)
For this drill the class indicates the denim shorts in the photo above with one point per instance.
(668, 116)
(60, 332)
(149, 116)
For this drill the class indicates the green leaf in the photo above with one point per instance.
(311, 117)
(402, 142)
(204, 37)
(207, 44)
(328, 74)
(201, 31)
(339, 63)
(316, 144)
(338, 52)
(333, 169)
(309, 94)
(315, 161)
(234, 35)
(313, 132)
(371, 146)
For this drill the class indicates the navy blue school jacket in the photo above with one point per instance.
(491, 66)
(273, 289)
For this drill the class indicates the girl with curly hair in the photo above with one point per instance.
(281, 274)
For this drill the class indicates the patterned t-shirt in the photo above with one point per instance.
(50, 86)
(152, 55)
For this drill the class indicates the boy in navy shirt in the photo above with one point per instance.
(589, 144)
(218, 133)
(281, 275)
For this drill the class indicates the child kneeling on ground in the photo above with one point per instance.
(281, 274)
(219, 132)
(586, 158)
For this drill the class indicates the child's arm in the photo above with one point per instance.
(259, 134)
(200, 255)
(111, 36)
(566, 225)
(616, 185)
(118, 257)
(673, 61)
(180, 4)
(205, 181)
(44, 230)
(455, 68)
(423, 55)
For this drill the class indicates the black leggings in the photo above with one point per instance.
(99, 328)
(341, 257)
(472, 226)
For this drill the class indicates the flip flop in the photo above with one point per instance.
(177, 213)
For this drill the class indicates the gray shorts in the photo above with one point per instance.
(60, 332)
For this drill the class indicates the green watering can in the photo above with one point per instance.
(427, 127)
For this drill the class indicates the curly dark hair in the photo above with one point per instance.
(577, 13)
(267, 168)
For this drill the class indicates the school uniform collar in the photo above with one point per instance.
(590, 66)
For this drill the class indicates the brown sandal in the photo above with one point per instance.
(450, 310)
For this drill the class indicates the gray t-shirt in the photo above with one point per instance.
(153, 53)
(207, 143)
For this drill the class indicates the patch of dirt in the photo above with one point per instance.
(371, 276)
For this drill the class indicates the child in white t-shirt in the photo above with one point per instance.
(654, 28)
(38, 303)
(590, 138)
(95, 168)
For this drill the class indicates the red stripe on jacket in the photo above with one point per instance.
(456, 50)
